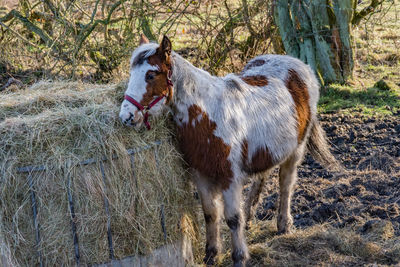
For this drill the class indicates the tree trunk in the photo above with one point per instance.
(318, 33)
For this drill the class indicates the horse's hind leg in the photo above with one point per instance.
(287, 180)
(211, 203)
(234, 218)
(253, 195)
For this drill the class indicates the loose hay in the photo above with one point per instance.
(58, 125)
(318, 245)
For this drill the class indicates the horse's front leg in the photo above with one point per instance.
(235, 220)
(211, 203)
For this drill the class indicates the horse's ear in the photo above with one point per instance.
(166, 46)
(143, 39)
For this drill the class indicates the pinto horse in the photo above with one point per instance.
(230, 128)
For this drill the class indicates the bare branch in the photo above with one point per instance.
(10, 82)
(28, 24)
(18, 35)
(358, 16)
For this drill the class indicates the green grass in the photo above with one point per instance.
(372, 101)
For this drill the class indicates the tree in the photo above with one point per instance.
(319, 33)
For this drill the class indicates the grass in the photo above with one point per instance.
(377, 57)
(371, 101)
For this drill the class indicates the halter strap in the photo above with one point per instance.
(144, 109)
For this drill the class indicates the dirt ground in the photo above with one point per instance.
(369, 149)
(363, 201)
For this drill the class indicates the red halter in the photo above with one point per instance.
(145, 109)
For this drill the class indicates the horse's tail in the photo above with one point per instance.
(319, 148)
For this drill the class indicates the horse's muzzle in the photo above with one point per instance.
(131, 119)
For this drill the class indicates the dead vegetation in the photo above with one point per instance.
(91, 39)
(319, 245)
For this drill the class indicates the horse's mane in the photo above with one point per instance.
(142, 53)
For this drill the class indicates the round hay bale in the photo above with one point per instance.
(72, 132)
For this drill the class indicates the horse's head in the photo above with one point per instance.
(150, 87)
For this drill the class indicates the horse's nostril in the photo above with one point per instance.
(127, 121)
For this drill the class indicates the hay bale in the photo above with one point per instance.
(6, 259)
(58, 125)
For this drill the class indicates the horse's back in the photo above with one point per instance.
(290, 70)
(276, 103)
(277, 66)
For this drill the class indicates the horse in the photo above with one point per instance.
(229, 128)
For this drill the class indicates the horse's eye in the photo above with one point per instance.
(149, 76)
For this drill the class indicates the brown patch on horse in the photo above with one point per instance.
(254, 63)
(204, 151)
(158, 86)
(299, 92)
(257, 80)
(261, 160)
(160, 60)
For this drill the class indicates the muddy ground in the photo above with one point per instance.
(369, 148)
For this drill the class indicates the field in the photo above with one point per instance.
(342, 219)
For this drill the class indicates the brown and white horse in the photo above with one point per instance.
(231, 127)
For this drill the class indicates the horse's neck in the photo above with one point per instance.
(192, 86)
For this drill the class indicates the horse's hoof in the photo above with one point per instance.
(239, 257)
(239, 264)
(285, 230)
(209, 259)
(285, 225)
